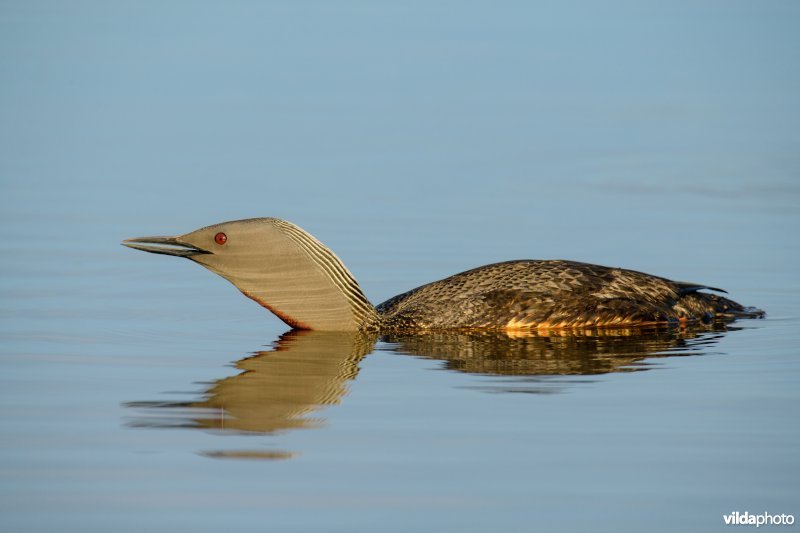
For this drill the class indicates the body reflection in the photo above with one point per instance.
(554, 352)
(282, 388)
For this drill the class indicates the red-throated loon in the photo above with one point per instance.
(295, 276)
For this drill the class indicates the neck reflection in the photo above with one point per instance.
(276, 390)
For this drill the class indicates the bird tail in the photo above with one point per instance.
(719, 306)
(725, 308)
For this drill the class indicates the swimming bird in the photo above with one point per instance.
(291, 273)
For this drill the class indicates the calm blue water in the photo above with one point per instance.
(416, 140)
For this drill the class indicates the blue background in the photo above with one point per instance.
(416, 139)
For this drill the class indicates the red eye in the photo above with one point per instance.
(220, 238)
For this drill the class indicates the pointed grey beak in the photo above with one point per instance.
(164, 245)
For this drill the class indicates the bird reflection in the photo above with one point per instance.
(281, 389)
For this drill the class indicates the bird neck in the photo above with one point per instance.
(306, 285)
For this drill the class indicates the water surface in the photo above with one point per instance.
(416, 140)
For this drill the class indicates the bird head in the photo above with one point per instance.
(277, 264)
(231, 249)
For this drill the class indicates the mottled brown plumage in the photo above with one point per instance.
(530, 294)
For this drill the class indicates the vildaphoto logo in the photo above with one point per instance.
(764, 519)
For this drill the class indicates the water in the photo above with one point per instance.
(416, 141)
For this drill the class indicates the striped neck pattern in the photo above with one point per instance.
(363, 311)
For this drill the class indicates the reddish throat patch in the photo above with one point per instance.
(283, 316)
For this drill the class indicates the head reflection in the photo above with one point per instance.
(283, 388)
(276, 390)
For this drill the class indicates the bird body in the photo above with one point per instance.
(537, 294)
(291, 273)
